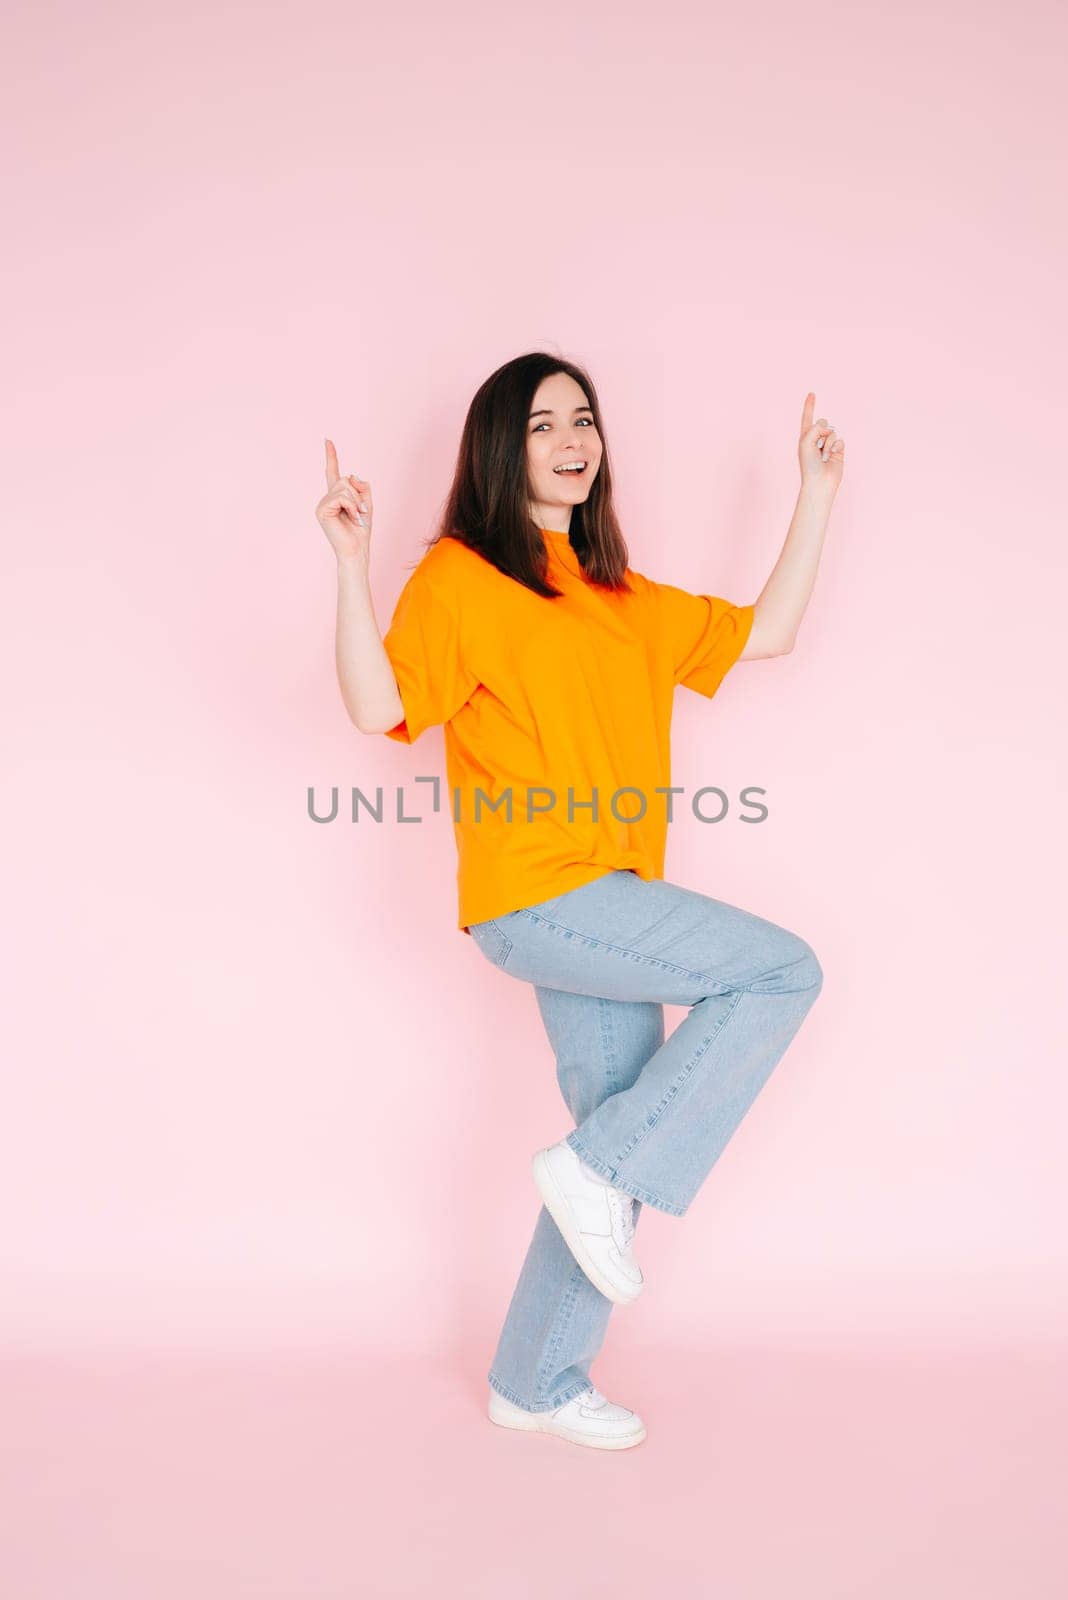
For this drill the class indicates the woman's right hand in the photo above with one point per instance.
(345, 511)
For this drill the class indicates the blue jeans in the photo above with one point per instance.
(651, 1115)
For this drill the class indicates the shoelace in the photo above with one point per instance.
(623, 1209)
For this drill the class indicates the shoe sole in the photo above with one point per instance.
(523, 1425)
(558, 1208)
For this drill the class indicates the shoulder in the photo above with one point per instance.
(644, 590)
(449, 565)
(662, 598)
(438, 574)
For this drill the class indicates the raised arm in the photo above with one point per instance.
(784, 598)
(365, 673)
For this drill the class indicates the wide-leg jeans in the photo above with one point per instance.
(652, 1115)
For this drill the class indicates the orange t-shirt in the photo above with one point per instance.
(562, 703)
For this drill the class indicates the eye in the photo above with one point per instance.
(539, 426)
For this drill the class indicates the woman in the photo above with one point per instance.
(552, 666)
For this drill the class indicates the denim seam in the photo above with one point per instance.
(682, 1077)
(604, 1014)
(634, 955)
(543, 1405)
(560, 1323)
(505, 950)
(652, 961)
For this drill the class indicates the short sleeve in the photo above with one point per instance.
(705, 635)
(423, 645)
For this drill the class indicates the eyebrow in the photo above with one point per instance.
(544, 412)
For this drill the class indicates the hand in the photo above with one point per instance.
(820, 450)
(346, 510)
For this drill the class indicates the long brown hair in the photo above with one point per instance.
(488, 507)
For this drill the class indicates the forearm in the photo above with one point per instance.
(364, 671)
(785, 596)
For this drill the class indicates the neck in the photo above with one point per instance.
(549, 517)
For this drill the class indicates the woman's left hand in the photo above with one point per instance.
(820, 451)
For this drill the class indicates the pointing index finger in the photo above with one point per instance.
(807, 411)
(332, 473)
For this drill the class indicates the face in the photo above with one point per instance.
(561, 430)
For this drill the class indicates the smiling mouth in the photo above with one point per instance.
(569, 470)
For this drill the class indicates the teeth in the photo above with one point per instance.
(568, 467)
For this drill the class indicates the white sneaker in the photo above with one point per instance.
(587, 1418)
(596, 1220)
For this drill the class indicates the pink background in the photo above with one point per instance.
(258, 1085)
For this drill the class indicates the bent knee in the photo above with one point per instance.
(812, 969)
(797, 970)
